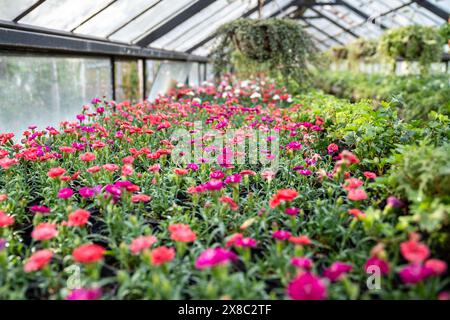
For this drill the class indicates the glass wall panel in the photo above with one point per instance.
(170, 74)
(42, 91)
(194, 75)
(151, 71)
(129, 80)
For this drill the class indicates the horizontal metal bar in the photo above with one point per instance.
(35, 39)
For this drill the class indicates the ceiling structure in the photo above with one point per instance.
(185, 29)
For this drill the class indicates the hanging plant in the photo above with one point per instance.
(339, 53)
(362, 50)
(444, 31)
(280, 45)
(412, 43)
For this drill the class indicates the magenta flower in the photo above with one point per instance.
(217, 175)
(234, 178)
(377, 262)
(414, 273)
(113, 190)
(292, 211)
(213, 185)
(245, 242)
(2, 244)
(84, 294)
(281, 235)
(294, 145)
(40, 209)
(302, 262)
(65, 193)
(87, 192)
(337, 270)
(213, 257)
(394, 202)
(192, 166)
(307, 287)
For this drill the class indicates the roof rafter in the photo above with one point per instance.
(433, 8)
(28, 10)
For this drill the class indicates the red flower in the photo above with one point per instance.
(282, 195)
(87, 157)
(56, 172)
(5, 220)
(352, 183)
(180, 172)
(44, 231)
(436, 266)
(38, 260)
(141, 243)
(230, 202)
(414, 251)
(357, 195)
(300, 240)
(140, 198)
(182, 233)
(332, 148)
(162, 255)
(370, 175)
(88, 253)
(356, 213)
(78, 218)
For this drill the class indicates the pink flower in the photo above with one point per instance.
(281, 235)
(213, 257)
(337, 270)
(437, 267)
(182, 233)
(78, 218)
(217, 175)
(65, 193)
(245, 242)
(414, 273)
(292, 211)
(111, 167)
(332, 148)
(294, 145)
(87, 157)
(414, 251)
(40, 209)
(86, 192)
(357, 195)
(377, 262)
(213, 185)
(44, 231)
(84, 294)
(55, 172)
(141, 243)
(234, 178)
(5, 220)
(352, 183)
(38, 260)
(140, 198)
(369, 175)
(394, 202)
(307, 287)
(302, 262)
(233, 205)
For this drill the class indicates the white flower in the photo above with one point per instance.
(276, 97)
(225, 95)
(255, 95)
(190, 93)
(180, 85)
(198, 100)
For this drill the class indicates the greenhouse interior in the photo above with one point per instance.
(224, 150)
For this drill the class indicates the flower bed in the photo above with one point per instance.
(110, 206)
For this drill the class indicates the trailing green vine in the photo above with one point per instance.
(276, 46)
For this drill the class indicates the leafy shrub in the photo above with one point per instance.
(412, 43)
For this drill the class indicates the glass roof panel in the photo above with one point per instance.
(207, 14)
(63, 14)
(207, 27)
(150, 20)
(12, 9)
(442, 4)
(113, 17)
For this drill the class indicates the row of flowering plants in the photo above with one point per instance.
(227, 191)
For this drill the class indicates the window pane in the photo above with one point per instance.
(194, 75)
(113, 17)
(43, 91)
(11, 9)
(169, 75)
(151, 70)
(129, 80)
(63, 14)
(150, 20)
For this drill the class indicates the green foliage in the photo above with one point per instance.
(362, 49)
(422, 175)
(414, 96)
(339, 53)
(412, 43)
(444, 31)
(278, 46)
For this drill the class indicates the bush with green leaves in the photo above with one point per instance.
(412, 43)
